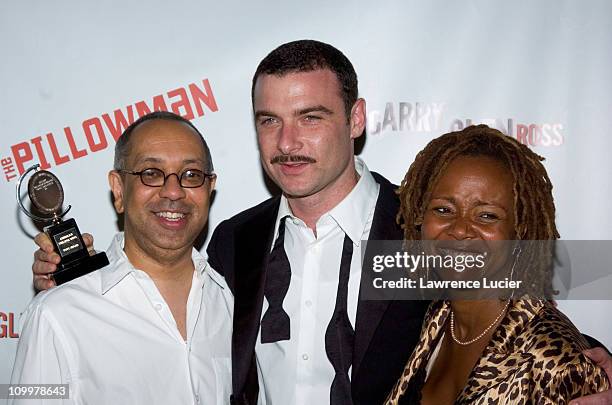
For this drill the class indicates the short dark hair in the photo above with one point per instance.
(122, 147)
(305, 56)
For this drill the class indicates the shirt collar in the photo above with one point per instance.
(119, 265)
(353, 212)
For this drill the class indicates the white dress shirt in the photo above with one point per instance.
(297, 371)
(111, 336)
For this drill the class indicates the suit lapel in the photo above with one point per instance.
(253, 239)
(384, 227)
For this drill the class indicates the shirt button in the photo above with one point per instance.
(158, 307)
(305, 356)
(308, 303)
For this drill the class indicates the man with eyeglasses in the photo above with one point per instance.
(154, 325)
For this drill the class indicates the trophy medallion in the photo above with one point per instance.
(47, 196)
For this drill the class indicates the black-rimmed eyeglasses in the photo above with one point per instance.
(190, 178)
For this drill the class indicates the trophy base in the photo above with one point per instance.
(79, 267)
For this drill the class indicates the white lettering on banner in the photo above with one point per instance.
(428, 117)
(545, 134)
(405, 116)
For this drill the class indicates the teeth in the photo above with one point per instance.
(457, 253)
(172, 216)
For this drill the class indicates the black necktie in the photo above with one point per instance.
(275, 324)
(340, 336)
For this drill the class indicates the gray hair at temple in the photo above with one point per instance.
(122, 148)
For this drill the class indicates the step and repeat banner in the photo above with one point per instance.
(75, 74)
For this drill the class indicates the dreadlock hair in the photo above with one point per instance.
(534, 208)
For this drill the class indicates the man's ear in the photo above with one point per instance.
(212, 183)
(115, 181)
(358, 118)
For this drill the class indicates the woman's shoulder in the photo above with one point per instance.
(551, 334)
(556, 346)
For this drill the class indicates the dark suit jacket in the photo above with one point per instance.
(386, 332)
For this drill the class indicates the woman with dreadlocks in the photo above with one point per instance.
(480, 185)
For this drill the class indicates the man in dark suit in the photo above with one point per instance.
(307, 116)
(303, 331)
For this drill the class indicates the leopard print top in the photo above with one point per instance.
(534, 357)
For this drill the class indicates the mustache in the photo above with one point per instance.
(292, 159)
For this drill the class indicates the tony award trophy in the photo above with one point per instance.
(47, 195)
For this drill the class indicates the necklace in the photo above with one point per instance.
(484, 332)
